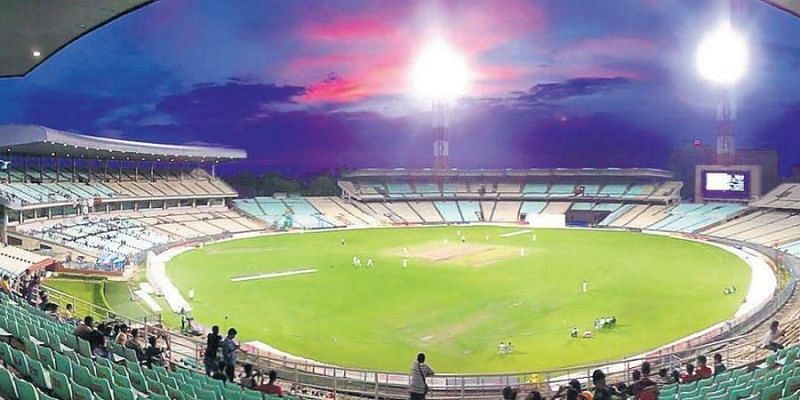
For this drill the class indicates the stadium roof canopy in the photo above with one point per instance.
(33, 30)
(39, 141)
(790, 6)
(650, 173)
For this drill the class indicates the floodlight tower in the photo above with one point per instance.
(722, 60)
(441, 131)
(440, 74)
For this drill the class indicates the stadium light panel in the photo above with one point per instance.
(722, 56)
(440, 72)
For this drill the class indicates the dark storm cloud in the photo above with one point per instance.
(232, 100)
(549, 92)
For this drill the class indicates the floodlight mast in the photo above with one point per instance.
(722, 60)
(441, 129)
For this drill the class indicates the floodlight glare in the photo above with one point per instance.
(722, 56)
(440, 72)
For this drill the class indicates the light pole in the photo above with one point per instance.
(440, 74)
(722, 60)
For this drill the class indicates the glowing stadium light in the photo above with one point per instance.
(440, 72)
(722, 56)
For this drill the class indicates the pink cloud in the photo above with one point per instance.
(372, 51)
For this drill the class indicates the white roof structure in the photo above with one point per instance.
(34, 140)
(31, 31)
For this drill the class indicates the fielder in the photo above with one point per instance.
(369, 262)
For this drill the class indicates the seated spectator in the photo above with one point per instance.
(153, 354)
(270, 387)
(601, 390)
(534, 395)
(688, 376)
(133, 344)
(719, 367)
(122, 334)
(97, 342)
(65, 314)
(248, 380)
(641, 380)
(509, 393)
(5, 284)
(83, 330)
(702, 371)
(771, 338)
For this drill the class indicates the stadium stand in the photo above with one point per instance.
(449, 211)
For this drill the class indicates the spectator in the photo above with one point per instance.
(122, 335)
(229, 348)
(97, 343)
(601, 390)
(770, 339)
(663, 377)
(418, 388)
(642, 382)
(248, 380)
(83, 330)
(5, 284)
(133, 344)
(675, 377)
(153, 354)
(212, 347)
(689, 376)
(219, 372)
(65, 314)
(509, 393)
(702, 371)
(534, 395)
(719, 367)
(270, 387)
(575, 386)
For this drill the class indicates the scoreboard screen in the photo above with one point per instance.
(726, 184)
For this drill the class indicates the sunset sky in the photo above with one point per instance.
(306, 86)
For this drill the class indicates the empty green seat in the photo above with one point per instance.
(155, 386)
(20, 362)
(39, 375)
(26, 391)
(63, 364)
(231, 394)
(81, 376)
(62, 387)
(101, 388)
(203, 394)
(7, 387)
(80, 392)
(122, 393)
(138, 382)
(46, 357)
(772, 392)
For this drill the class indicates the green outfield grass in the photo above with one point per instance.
(458, 301)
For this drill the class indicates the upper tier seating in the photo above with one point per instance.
(786, 195)
(62, 187)
(694, 217)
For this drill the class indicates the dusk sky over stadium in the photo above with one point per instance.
(307, 86)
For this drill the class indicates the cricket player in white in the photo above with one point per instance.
(369, 262)
(584, 286)
(405, 263)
